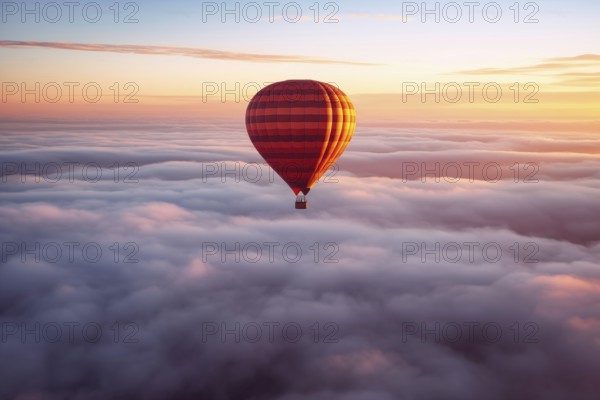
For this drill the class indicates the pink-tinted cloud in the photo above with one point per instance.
(371, 293)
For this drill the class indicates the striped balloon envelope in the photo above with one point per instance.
(300, 128)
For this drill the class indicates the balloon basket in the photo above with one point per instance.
(301, 202)
(301, 205)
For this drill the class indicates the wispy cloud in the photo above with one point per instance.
(583, 82)
(550, 65)
(355, 16)
(582, 57)
(584, 79)
(568, 71)
(177, 51)
(379, 17)
(515, 70)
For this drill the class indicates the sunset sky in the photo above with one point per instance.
(372, 52)
(173, 212)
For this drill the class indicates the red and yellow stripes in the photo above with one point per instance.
(301, 128)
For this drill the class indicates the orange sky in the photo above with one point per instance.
(374, 54)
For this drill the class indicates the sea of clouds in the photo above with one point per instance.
(167, 261)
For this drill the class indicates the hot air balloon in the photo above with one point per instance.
(300, 128)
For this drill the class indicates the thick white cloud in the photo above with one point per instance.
(370, 302)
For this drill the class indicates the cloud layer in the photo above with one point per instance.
(380, 312)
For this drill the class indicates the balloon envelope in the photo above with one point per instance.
(300, 128)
